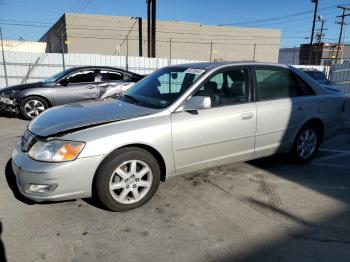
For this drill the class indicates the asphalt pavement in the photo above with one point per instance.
(263, 210)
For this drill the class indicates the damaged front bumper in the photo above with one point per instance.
(8, 104)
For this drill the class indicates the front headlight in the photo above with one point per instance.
(56, 150)
(8, 93)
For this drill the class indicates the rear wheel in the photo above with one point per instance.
(32, 106)
(127, 179)
(306, 144)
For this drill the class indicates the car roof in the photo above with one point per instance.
(212, 65)
(101, 67)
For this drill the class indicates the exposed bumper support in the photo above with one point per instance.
(8, 105)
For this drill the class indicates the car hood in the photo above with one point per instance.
(21, 87)
(67, 118)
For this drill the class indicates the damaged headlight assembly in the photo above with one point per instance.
(8, 94)
(7, 97)
(56, 150)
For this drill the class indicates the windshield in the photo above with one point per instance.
(163, 87)
(57, 76)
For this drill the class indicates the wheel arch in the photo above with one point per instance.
(155, 153)
(35, 95)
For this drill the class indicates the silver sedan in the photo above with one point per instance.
(177, 120)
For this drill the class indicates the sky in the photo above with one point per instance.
(30, 19)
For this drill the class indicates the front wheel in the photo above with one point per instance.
(32, 106)
(306, 144)
(127, 179)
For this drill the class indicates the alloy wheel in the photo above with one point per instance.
(130, 182)
(33, 108)
(307, 143)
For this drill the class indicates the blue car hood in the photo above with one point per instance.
(71, 117)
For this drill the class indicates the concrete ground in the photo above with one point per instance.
(264, 210)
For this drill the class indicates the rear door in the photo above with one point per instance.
(221, 134)
(112, 82)
(282, 101)
(80, 86)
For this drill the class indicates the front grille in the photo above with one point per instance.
(27, 140)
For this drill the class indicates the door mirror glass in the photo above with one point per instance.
(63, 82)
(197, 103)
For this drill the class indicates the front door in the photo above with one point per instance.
(222, 134)
(80, 86)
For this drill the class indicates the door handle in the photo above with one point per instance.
(300, 108)
(90, 86)
(247, 116)
(103, 85)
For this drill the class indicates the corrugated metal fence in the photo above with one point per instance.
(340, 74)
(30, 67)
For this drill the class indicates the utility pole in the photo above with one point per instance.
(170, 51)
(148, 27)
(342, 23)
(313, 31)
(211, 51)
(153, 28)
(3, 58)
(314, 22)
(140, 35)
(62, 48)
(127, 52)
(320, 34)
(294, 55)
(254, 52)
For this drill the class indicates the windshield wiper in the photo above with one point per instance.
(132, 98)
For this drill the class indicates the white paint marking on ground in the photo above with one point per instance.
(334, 150)
(326, 158)
(330, 165)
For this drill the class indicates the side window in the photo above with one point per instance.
(110, 76)
(305, 89)
(227, 88)
(275, 83)
(85, 76)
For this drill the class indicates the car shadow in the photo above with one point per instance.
(8, 114)
(2, 247)
(93, 201)
(321, 239)
(11, 115)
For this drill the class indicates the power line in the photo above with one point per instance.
(82, 9)
(290, 20)
(184, 42)
(127, 36)
(278, 17)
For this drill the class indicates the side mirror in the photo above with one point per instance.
(64, 82)
(197, 103)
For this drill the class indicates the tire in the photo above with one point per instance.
(306, 144)
(119, 186)
(32, 106)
